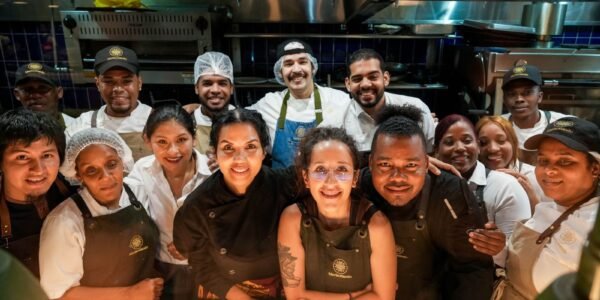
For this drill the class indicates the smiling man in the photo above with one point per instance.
(522, 94)
(37, 88)
(213, 74)
(290, 113)
(32, 147)
(119, 84)
(431, 215)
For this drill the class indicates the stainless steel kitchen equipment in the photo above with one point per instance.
(167, 43)
(571, 77)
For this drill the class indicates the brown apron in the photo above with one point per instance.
(202, 138)
(523, 251)
(134, 140)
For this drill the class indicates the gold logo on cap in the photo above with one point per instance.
(115, 51)
(519, 70)
(563, 123)
(34, 66)
(340, 266)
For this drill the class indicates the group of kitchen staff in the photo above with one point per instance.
(352, 206)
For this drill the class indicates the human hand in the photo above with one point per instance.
(435, 165)
(149, 288)
(174, 253)
(489, 240)
(534, 198)
(212, 160)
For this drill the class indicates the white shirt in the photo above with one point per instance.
(563, 253)
(361, 126)
(505, 200)
(524, 133)
(62, 242)
(334, 104)
(135, 122)
(67, 119)
(204, 120)
(148, 175)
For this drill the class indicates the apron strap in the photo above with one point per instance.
(283, 111)
(6, 229)
(132, 198)
(556, 224)
(422, 212)
(94, 118)
(547, 115)
(85, 211)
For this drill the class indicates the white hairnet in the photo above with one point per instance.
(279, 64)
(213, 63)
(94, 136)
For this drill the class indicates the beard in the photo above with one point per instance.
(368, 104)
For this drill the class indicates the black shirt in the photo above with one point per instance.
(213, 218)
(468, 273)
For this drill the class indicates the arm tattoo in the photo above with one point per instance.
(287, 263)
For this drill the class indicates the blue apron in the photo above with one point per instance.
(289, 133)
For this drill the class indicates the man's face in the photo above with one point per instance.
(29, 170)
(297, 73)
(367, 82)
(214, 92)
(38, 95)
(119, 88)
(398, 167)
(521, 98)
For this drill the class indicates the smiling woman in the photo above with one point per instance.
(227, 227)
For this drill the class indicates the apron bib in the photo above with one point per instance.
(202, 138)
(338, 261)
(288, 134)
(134, 140)
(119, 247)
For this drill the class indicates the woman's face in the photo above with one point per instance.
(565, 174)
(239, 154)
(458, 147)
(100, 170)
(172, 145)
(330, 176)
(496, 150)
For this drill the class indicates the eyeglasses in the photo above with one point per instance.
(28, 91)
(338, 174)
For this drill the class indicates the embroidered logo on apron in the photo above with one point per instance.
(400, 252)
(300, 132)
(137, 244)
(340, 268)
(568, 237)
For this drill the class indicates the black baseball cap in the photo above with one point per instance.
(116, 56)
(36, 70)
(293, 46)
(528, 72)
(577, 134)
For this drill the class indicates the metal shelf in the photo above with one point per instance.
(340, 36)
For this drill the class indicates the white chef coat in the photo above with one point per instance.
(524, 133)
(562, 254)
(334, 104)
(361, 126)
(135, 122)
(62, 242)
(148, 175)
(505, 200)
(204, 120)
(68, 119)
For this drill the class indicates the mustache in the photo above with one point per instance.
(398, 184)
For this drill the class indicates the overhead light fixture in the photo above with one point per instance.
(20, 2)
(53, 6)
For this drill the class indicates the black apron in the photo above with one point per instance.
(337, 261)
(257, 276)
(119, 247)
(416, 276)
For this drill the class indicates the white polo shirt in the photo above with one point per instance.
(361, 126)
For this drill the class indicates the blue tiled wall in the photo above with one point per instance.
(24, 41)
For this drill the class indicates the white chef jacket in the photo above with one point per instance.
(62, 242)
(68, 119)
(562, 254)
(204, 120)
(524, 133)
(505, 200)
(362, 127)
(334, 104)
(148, 175)
(135, 122)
